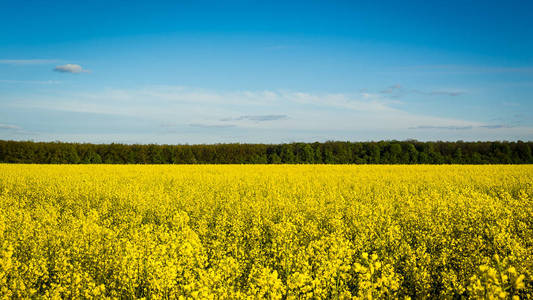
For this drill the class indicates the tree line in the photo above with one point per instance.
(383, 152)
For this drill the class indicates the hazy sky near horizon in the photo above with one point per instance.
(265, 71)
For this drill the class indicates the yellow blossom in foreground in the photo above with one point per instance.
(266, 231)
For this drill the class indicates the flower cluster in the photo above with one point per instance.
(266, 231)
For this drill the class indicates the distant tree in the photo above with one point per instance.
(412, 154)
(318, 154)
(507, 153)
(458, 156)
(188, 156)
(358, 154)
(155, 154)
(259, 159)
(375, 153)
(395, 152)
(63, 154)
(476, 158)
(524, 152)
(287, 154)
(275, 159)
(91, 157)
(307, 154)
(341, 153)
(330, 152)
(329, 158)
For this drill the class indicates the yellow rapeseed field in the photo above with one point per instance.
(265, 231)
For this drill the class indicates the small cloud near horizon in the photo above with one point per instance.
(497, 126)
(9, 127)
(198, 125)
(258, 118)
(70, 68)
(443, 127)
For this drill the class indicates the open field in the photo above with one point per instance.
(236, 231)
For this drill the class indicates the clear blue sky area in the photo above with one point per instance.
(265, 71)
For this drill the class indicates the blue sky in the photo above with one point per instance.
(265, 71)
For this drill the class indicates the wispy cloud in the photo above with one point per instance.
(30, 81)
(442, 127)
(268, 115)
(398, 90)
(70, 68)
(510, 121)
(439, 92)
(199, 125)
(257, 118)
(27, 61)
(171, 97)
(497, 126)
(9, 127)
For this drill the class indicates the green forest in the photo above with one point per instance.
(383, 152)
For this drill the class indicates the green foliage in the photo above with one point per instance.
(384, 152)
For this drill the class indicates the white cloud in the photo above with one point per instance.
(9, 127)
(256, 116)
(447, 127)
(70, 68)
(497, 126)
(246, 105)
(211, 125)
